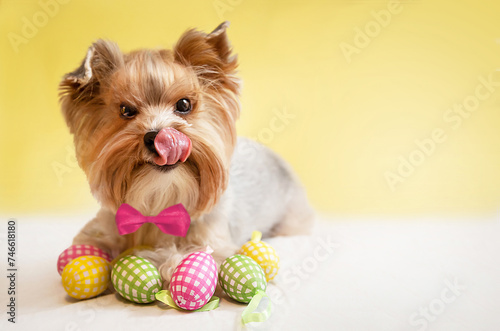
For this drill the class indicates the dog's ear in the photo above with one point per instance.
(103, 57)
(219, 41)
(209, 54)
(80, 88)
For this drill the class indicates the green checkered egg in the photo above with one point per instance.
(241, 277)
(136, 279)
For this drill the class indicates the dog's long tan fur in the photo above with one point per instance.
(120, 169)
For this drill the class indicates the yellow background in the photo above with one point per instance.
(353, 119)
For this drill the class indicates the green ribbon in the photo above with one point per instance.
(249, 315)
(165, 297)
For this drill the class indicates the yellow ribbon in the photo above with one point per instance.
(256, 236)
(165, 297)
(249, 315)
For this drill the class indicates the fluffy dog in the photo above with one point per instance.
(122, 108)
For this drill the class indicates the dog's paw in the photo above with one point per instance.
(164, 260)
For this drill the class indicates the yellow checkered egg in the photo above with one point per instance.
(86, 277)
(263, 254)
(241, 278)
(136, 279)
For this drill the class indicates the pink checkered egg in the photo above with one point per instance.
(75, 251)
(194, 280)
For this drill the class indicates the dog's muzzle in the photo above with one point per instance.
(170, 146)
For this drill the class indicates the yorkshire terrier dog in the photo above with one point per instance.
(155, 128)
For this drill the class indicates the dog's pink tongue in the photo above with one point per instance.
(172, 146)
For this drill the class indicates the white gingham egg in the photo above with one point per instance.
(85, 277)
(263, 253)
(75, 251)
(241, 278)
(136, 279)
(194, 280)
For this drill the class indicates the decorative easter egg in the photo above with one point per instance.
(263, 254)
(86, 277)
(241, 278)
(75, 251)
(194, 280)
(136, 279)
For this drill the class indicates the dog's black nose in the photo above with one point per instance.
(149, 140)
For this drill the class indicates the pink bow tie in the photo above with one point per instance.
(173, 220)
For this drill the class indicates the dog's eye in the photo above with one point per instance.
(127, 111)
(183, 106)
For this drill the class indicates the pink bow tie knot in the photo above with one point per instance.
(173, 220)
